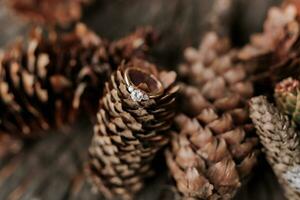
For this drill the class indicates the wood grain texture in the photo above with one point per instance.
(52, 167)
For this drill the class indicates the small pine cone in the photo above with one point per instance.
(279, 27)
(281, 143)
(287, 99)
(45, 84)
(61, 12)
(131, 128)
(273, 54)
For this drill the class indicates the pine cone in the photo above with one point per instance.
(42, 86)
(130, 130)
(61, 12)
(273, 54)
(276, 30)
(212, 149)
(286, 95)
(281, 143)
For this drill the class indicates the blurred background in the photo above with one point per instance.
(52, 167)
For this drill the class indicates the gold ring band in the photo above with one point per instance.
(136, 77)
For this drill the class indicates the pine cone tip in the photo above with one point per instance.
(287, 85)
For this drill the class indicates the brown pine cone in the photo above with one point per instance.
(212, 149)
(132, 126)
(61, 12)
(281, 142)
(274, 54)
(42, 85)
(279, 23)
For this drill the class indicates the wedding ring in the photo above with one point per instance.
(142, 85)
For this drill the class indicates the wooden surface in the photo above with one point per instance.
(52, 167)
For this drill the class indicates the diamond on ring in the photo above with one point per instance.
(130, 89)
(137, 95)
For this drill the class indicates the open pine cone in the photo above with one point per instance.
(274, 54)
(42, 85)
(212, 149)
(131, 128)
